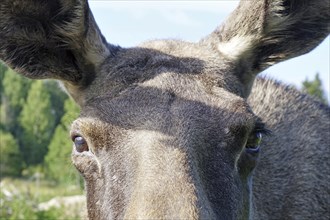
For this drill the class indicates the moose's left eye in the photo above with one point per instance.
(80, 144)
(253, 143)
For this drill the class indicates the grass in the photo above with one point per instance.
(19, 199)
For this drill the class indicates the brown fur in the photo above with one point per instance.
(167, 123)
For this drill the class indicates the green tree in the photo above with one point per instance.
(58, 160)
(3, 69)
(14, 92)
(314, 88)
(57, 97)
(11, 160)
(37, 123)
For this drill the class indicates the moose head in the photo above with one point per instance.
(165, 129)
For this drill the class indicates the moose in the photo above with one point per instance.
(179, 130)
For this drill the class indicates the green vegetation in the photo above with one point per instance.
(35, 163)
(35, 116)
(58, 163)
(11, 159)
(314, 88)
(13, 96)
(37, 124)
(21, 199)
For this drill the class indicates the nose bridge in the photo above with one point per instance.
(163, 187)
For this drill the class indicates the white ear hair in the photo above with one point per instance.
(236, 47)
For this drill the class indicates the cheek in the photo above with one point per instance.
(97, 197)
(87, 164)
(246, 164)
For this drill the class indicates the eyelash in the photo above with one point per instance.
(260, 127)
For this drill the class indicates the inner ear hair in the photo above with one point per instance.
(267, 32)
(51, 39)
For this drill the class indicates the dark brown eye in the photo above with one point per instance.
(253, 145)
(80, 144)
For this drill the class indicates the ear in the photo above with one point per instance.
(261, 33)
(51, 39)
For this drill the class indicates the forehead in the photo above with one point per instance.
(168, 98)
(159, 59)
(160, 81)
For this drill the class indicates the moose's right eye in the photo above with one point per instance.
(80, 144)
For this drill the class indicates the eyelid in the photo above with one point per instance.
(260, 127)
(74, 134)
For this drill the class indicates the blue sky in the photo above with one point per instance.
(128, 23)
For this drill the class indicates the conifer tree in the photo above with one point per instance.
(10, 156)
(58, 159)
(314, 88)
(13, 97)
(57, 97)
(37, 123)
(3, 69)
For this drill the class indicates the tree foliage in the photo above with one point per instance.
(314, 88)
(57, 99)
(35, 116)
(3, 69)
(13, 97)
(11, 160)
(38, 124)
(58, 159)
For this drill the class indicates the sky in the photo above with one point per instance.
(128, 23)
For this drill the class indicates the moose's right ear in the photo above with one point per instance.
(56, 39)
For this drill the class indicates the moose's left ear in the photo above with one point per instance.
(51, 39)
(261, 33)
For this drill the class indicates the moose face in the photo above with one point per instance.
(166, 144)
(165, 130)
